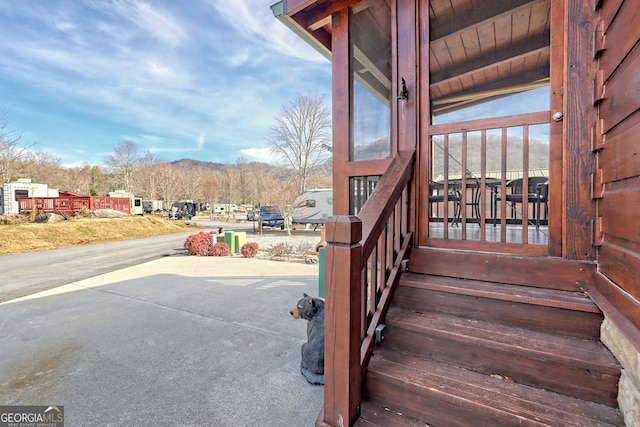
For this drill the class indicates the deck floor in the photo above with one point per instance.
(513, 233)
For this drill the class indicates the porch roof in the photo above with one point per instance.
(476, 53)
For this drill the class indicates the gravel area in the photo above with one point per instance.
(299, 247)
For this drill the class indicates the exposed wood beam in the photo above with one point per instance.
(365, 4)
(312, 16)
(458, 101)
(480, 17)
(529, 47)
(319, 39)
(441, 109)
(321, 23)
(492, 88)
(295, 6)
(369, 66)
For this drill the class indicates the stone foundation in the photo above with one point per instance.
(629, 358)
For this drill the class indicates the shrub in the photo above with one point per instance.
(304, 248)
(281, 250)
(199, 243)
(249, 250)
(220, 249)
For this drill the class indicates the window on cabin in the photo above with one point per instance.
(21, 193)
(370, 40)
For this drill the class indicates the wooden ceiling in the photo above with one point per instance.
(479, 49)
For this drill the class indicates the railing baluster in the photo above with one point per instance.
(445, 190)
(483, 185)
(503, 187)
(463, 187)
(525, 184)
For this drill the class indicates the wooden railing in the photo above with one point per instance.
(71, 205)
(363, 260)
(474, 165)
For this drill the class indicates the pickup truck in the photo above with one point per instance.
(271, 216)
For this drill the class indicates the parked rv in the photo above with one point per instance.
(153, 206)
(136, 202)
(224, 208)
(23, 187)
(313, 207)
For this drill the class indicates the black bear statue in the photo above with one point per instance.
(312, 363)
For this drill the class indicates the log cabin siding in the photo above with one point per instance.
(618, 161)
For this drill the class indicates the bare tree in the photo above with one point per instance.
(86, 180)
(243, 176)
(46, 168)
(191, 180)
(12, 151)
(168, 182)
(211, 189)
(229, 186)
(121, 165)
(283, 194)
(148, 175)
(301, 132)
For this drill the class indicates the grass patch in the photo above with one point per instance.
(29, 237)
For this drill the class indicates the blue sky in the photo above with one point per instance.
(201, 79)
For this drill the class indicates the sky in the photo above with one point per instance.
(199, 79)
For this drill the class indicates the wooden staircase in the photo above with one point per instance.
(463, 352)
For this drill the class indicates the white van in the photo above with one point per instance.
(313, 207)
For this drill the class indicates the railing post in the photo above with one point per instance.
(343, 321)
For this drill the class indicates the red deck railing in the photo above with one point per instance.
(70, 206)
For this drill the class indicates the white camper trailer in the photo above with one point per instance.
(23, 187)
(136, 207)
(313, 207)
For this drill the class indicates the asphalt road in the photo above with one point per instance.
(189, 341)
(25, 274)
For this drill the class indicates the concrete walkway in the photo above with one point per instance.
(189, 341)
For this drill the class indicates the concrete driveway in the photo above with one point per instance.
(189, 341)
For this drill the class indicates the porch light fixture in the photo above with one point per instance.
(404, 94)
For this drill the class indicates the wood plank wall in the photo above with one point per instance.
(579, 114)
(617, 180)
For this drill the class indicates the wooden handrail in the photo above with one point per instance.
(363, 256)
(491, 123)
(377, 210)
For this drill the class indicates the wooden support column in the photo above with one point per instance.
(343, 321)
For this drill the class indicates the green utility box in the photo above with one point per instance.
(322, 275)
(230, 239)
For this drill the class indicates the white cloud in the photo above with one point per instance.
(260, 154)
(255, 21)
(156, 22)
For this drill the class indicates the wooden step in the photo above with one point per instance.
(567, 365)
(372, 415)
(539, 272)
(564, 312)
(442, 395)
